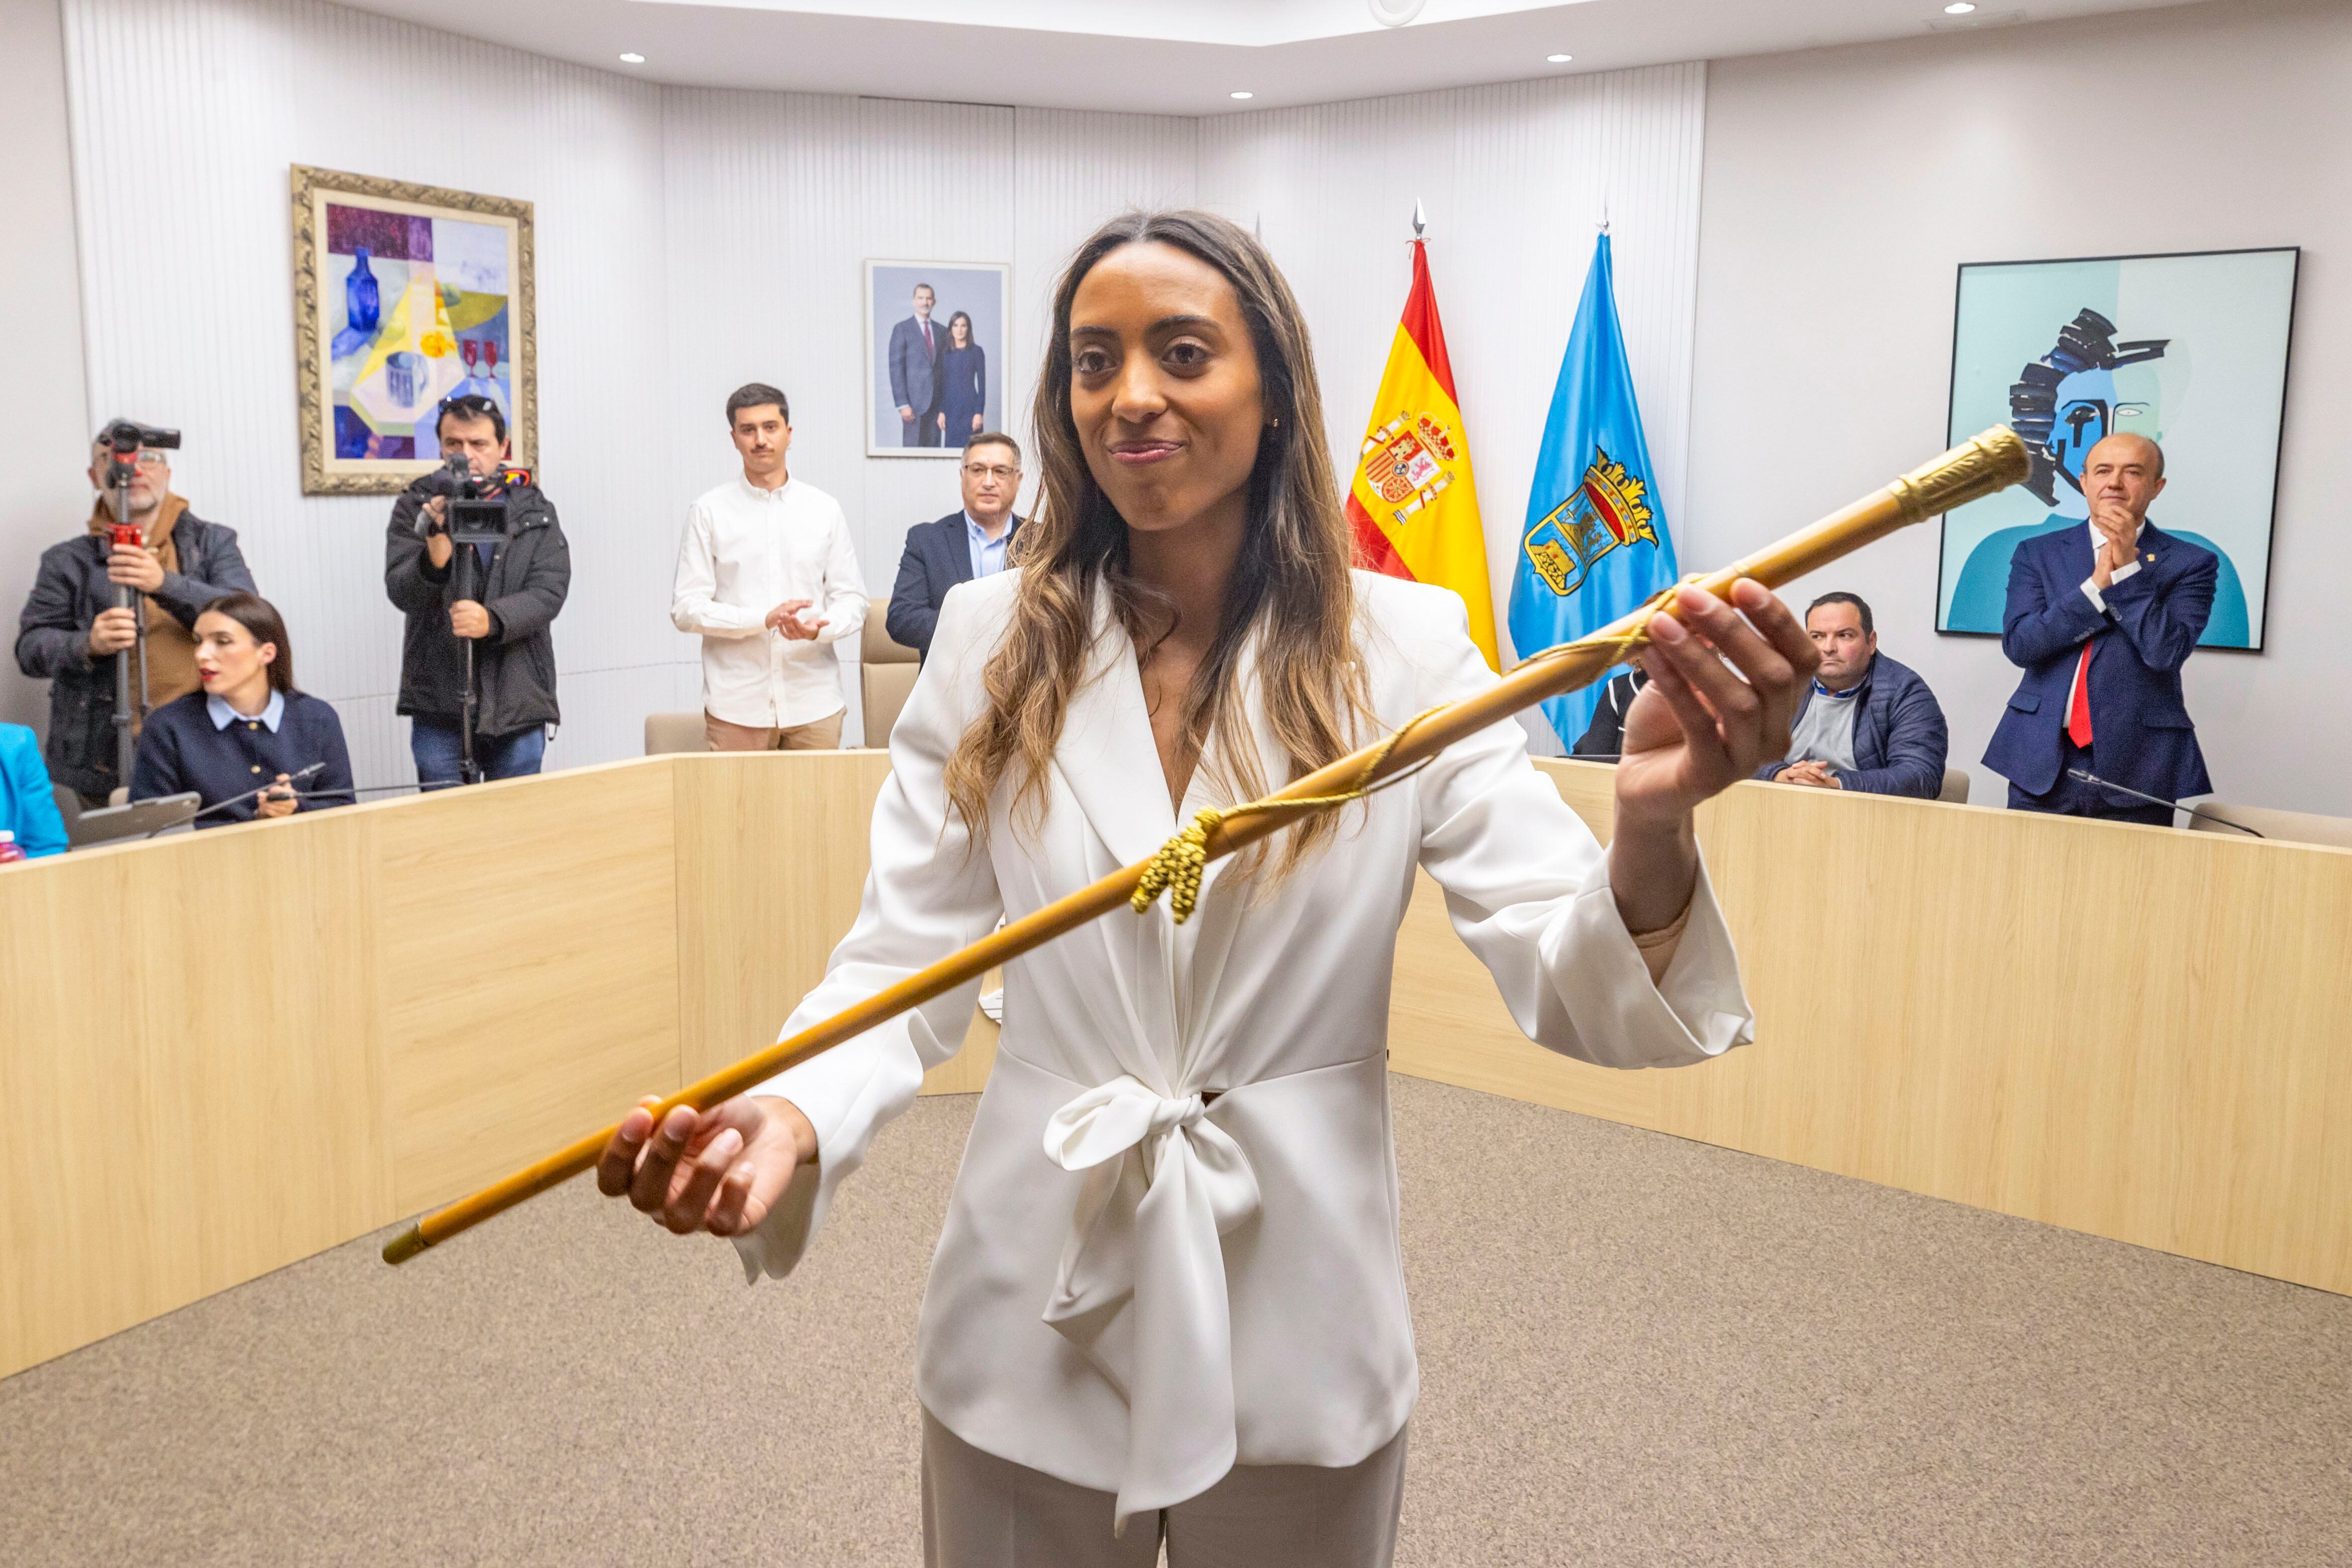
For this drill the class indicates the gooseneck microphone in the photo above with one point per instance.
(2089, 777)
(291, 779)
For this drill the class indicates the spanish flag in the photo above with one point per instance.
(1413, 505)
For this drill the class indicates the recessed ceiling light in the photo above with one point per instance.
(637, 59)
(1242, 95)
(1560, 60)
(1959, 8)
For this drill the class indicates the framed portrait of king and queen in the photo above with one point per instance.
(935, 346)
(2190, 351)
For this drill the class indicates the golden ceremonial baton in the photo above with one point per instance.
(1991, 462)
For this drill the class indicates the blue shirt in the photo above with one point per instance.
(987, 554)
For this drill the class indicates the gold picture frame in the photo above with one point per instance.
(367, 412)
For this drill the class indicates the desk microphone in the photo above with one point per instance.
(305, 795)
(2089, 777)
(293, 778)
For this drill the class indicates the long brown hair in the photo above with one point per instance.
(1290, 581)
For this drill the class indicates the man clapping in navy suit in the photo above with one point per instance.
(2101, 619)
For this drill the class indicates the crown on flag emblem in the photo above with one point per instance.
(1607, 509)
(1405, 459)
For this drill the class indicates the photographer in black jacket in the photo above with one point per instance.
(521, 583)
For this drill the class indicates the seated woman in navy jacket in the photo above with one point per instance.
(246, 727)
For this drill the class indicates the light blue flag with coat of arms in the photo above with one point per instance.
(1595, 544)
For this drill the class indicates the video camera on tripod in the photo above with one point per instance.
(124, 441)
(473, 513)
(475, 507)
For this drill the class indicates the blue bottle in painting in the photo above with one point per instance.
(363, 307)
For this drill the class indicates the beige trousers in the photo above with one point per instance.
(981, 1511)
(817, 735)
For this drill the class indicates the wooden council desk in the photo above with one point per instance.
(225, 1051)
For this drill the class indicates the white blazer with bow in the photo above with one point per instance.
(1134, 1292)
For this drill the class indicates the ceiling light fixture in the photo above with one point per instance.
(1241, 95)
(1560, 60)
(1959, 8)
(633, 59)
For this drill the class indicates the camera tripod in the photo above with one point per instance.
(464, 559)
(121, 470)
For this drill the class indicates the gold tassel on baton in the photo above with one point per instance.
(1991, 462)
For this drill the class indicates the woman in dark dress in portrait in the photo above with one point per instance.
(964, 372)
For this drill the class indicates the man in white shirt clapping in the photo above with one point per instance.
(766, 575)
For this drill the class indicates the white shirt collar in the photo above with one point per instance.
(754, 493)
(217, 708)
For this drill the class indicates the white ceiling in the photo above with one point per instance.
(1174, 57)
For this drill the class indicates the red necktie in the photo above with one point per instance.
(928, 347)
(2078, 712)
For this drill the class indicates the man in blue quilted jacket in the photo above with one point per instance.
(1866, 722)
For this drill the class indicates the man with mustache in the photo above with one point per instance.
(766, 575)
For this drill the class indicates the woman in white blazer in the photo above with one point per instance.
(1169, 1284)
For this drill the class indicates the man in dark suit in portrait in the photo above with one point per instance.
(2100, 618)
(960, 546)
(916, 345)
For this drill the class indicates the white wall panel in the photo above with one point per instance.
(1072, 172)
(1516, 180)
(43, 496)
(187, 115)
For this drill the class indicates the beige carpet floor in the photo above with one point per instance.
(1636, 1351)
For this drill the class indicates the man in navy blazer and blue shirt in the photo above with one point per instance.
(2100, 618)
(960, 546)
(1865, 722)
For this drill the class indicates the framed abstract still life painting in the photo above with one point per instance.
(406, 296)
(2190, 351)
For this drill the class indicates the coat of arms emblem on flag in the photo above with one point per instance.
(1405, 459)
(1605, 511)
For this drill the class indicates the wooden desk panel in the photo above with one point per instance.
(2130, 1031)
(773, 852)
(229, 1050)
(773, 857)
(527, 938)
(190, 1053)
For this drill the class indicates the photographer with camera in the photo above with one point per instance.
(477, 561)
(112, 613)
